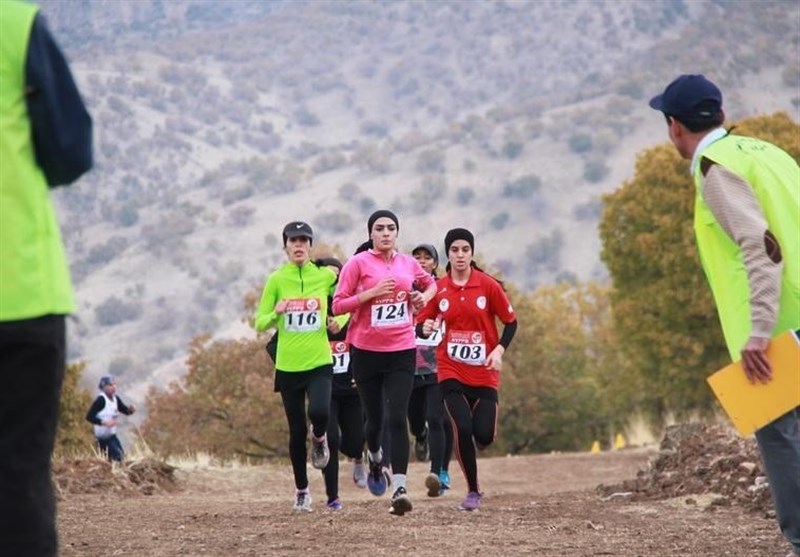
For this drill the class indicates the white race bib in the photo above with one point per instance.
(390, 311)
(341, 356)
(302, 315)
(467, 347)
(434, 339)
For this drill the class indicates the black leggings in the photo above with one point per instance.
(385, 376)
(346, 416)
(318, 389)
(425, 405)
(473, 414)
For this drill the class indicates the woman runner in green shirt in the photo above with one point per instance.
(295, 300)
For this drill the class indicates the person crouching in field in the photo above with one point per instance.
(470, 356)
(104, 413)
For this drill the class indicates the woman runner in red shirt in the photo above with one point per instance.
(470, 356)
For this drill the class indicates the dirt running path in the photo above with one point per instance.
(541, 505)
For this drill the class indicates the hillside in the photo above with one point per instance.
(216, 122)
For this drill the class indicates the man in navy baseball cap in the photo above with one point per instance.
(690, 99)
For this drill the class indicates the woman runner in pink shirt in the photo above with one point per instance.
(377, 288)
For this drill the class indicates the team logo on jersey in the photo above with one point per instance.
(510, 309)
(477, 338)
(401, 296)
(311, 304)
(340, 347)
(444, 304)
(481, 301)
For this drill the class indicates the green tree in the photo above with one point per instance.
(662, 306)
(224, 406)
(562, 378)
(74, 436)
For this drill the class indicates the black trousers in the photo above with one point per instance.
(425, 406)
(32, 363)
(385, 379)
(294, 388)
(473, 415)
(345, 435)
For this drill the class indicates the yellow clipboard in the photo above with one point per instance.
(752, 406)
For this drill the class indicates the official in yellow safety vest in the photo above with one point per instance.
(747, 225)
(45, 141)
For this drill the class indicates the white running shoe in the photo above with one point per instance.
(302, 502)
(359, 474)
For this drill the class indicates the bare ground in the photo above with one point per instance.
(544, 505)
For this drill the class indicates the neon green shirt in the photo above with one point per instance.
(302, 332)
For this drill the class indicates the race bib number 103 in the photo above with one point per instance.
(467, 347)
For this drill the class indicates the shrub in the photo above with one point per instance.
(594, 171)
(512, 149)
(523, 187)
(241, 215)
(464, 196)
(103, 253)
(430, 161)
(306, 118)
(580, 143)
(499, 221)
(589, 210)
(335, 221)
(349, 191)
(376, 129)
(128, 214)
(366, 204)
(119, 365)
(113, 311)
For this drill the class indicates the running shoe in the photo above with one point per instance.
(401, 502)
(359, 474)
(421, 446)
(444, 480)
(302, 502)
(320, 454)
(335, 505)
(376, 481)
(472, 502)
(433, 484)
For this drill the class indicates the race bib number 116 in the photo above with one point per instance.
(302, 315)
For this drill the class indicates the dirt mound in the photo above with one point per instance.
(698, 459)
(93, 475)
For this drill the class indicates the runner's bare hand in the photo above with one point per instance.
(417, 300)
(384, 287)
(494, 360)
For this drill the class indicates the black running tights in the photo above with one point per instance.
(474, 422)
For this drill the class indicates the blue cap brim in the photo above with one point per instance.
(657, 102)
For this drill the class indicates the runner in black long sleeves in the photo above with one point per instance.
(470, 356)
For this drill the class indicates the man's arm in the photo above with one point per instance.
(96, 408)
(734, 204)
(60, 123)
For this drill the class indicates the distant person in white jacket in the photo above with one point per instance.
(104, 414)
